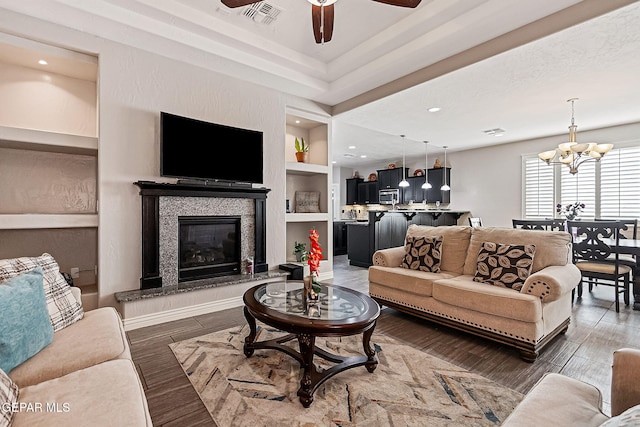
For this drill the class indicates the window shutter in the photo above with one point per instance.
(580, 187)
(538, 189)
(620, 183)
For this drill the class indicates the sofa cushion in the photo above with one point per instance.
(63, 308)
(422, 253)
(98, 337)
(462, 291)
(552, 247)
(508, 266)
(455, 242)
(629, 418)
(25, 328)
(9, 394)
(107, 394)
(406, 280)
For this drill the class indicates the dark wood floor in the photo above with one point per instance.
(584, 352)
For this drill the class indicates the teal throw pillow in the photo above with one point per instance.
(25, 328)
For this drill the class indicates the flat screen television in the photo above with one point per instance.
(192, 149)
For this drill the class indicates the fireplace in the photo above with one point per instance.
(229, 213)
(208, 246)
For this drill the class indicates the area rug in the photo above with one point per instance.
(408, 388)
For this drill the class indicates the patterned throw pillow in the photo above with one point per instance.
(9, 393)
(629, 418)
(504, 265)
(63, 308)
(422, 253)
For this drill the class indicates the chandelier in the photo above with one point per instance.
(573, 154)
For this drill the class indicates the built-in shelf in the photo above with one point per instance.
(307, 217)
(299, 168)
(30, 139)
(33, 221)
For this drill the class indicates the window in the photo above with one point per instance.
(609, 188)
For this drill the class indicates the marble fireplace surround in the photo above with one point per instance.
(163, 203)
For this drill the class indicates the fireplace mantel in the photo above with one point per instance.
(152, 191)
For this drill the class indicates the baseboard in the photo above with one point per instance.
(181, 313)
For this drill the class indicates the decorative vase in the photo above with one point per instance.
(310, 294)
(300, 156)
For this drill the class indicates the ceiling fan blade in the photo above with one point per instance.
(238, 3)
(401, 3)
(322, 20)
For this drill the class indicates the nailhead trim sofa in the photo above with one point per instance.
(527, 319)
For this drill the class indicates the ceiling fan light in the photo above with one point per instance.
(322, 3)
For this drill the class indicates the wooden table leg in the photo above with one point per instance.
(307, 345)
(372, 362)
(251, 338)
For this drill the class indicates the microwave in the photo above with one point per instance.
(389, 196)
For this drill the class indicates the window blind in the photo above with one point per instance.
(538, 189)
(620, 183)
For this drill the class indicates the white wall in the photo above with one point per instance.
(134, 86)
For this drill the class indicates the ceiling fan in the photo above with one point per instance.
(322, 14)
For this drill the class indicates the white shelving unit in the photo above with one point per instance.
(52, 132)
(312, 175)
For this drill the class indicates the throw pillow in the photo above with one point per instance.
(9, 393)
(423, 253)
(63, 308)
(504, 265)
(629, 418)
(25, 328)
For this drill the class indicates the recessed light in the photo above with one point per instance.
(433, 109)
(297, 121)
(352, 147)
(333, 162)
(363, 156)
(42, 62)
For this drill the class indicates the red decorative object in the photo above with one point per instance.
(418, 172)
(315, 253)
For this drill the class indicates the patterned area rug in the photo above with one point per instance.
(408, 388)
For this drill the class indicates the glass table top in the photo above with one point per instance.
(333, 303)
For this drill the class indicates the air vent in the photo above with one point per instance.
(262, 12)
(348, 155)
(495, 132)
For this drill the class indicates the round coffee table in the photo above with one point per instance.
(338, 312)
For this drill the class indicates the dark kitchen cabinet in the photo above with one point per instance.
(414, 191)
(359, 245)
(339, 238)
(436, 178)
(352, 190)
(390, 178)
(368, 192)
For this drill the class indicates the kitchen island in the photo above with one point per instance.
(387, 228)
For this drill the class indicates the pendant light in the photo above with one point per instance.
(426, 184)
(445, 187)
(404, 182)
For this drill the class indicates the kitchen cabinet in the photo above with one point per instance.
(387, 229)
(368, 192)
(414, 191)
(390, 178)
(352, 190)
(339, 238)
(436, 178)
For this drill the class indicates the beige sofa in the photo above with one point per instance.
(84, 377)
(557, 400)
(527, 319)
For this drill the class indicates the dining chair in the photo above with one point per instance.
(475, 221)
(537, 224)
(629, 229)
(596, 255)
